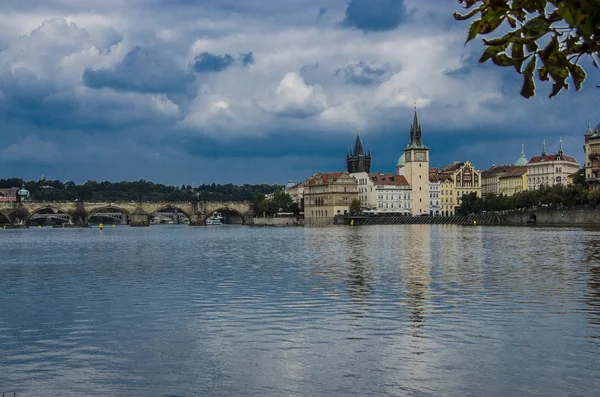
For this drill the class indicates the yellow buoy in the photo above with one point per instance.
(101, 226)
(113, 225)
(352, 222)
(474, 223)
(39, 227)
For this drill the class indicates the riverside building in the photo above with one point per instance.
(327, 195)
(591, 149)
(550, 169)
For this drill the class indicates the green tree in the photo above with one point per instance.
(355, 206)
(470, 204)
(260, 206)
(594, 197)
(568, 29)
(580, 178)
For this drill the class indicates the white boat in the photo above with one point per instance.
(215, 219)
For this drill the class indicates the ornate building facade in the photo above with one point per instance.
(550, 169)
(416, 168)
(464, 179)
(591, 149)
(358, 160)
(327, 195)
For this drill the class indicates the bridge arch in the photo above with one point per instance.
(170, 206)
(225, 210)
(4, 218)
(108, 208)
(47, 208)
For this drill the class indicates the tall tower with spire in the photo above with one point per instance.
(358, 160)
(416, 168)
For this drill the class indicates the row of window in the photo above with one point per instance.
(387, 197)
(391, 205)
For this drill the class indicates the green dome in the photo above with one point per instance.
(400, 161)
(522, 161)
(23, 192)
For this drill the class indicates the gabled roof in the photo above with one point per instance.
(552, 157)
(518, 171)
(323, 177)
(450, 168)
(388, 179)
(495, 170)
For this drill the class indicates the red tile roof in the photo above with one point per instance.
(451, 167)
(497, 170)
(518, 171)
(388, 179)
(326, 177)
(552, 157)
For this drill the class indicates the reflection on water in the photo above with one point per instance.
(392, 310)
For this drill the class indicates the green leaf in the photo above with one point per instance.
(556, 88)
(491, 50)
(595, 62)
(543, 73)
(502, 60)
(463, 17)
(578, 75)
(490, 20)
(528, 89)
(473, 30)
(530, 66)
(536, 27)
(532, 46)
(512, 22)
(517, 56)
(565, 12)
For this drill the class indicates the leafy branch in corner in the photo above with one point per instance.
(567, 29)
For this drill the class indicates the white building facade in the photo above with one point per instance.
(550, 169)
(384, 193)
(434, 195)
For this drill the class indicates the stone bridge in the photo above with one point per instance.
(20, 213)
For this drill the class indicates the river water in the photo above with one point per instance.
(408, 310)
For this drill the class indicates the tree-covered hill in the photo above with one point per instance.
(54, 190)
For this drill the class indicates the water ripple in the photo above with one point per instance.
(413, 310)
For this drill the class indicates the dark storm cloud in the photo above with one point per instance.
(141, 71)
(360, 73)
(207, 62)
(374, 15)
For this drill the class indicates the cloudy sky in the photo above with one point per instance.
(199, 91)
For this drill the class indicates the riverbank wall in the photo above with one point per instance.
(572, 217)
(488, 219)
(276, 222)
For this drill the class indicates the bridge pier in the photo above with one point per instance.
(139, 220)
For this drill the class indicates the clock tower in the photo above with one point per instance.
(416, 168)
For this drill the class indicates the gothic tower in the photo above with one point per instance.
(357, 160)
(416, 168)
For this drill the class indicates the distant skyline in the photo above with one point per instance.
(192, 91)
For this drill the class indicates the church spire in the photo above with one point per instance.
(589, 131)
(560, 151)
(416, 133)
(359, 150)
(544, 153)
